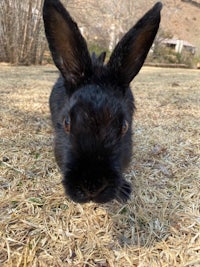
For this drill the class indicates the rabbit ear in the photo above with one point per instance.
(101, 57)
(130, 53)
(98, 59)
(67, 45)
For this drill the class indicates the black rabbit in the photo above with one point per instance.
(92, 105)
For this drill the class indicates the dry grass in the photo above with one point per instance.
(159, 226)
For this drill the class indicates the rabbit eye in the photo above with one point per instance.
(124, 127)
(66, 125)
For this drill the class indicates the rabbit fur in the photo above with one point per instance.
(92, 104)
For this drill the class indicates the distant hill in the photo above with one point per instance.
(180, 18)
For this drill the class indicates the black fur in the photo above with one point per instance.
(92, 105)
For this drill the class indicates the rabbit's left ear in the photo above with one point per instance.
(130, 53)
(67, 45)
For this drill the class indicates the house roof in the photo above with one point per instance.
(176, 41)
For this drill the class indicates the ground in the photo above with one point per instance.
(158, 227)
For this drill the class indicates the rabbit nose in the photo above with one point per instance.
(92, 193)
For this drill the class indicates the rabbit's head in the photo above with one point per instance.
(97, 125)
(92, 104)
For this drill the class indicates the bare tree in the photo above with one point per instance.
(21, 31)
(103, 21)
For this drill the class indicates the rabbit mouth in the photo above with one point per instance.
(104, 194)
(82, 195)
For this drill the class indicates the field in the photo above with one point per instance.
(158, 227)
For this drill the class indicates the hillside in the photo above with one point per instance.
(181, 19)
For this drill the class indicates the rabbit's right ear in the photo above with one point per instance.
(67, 45)
(130, 53)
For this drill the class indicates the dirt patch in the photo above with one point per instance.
(159, 226)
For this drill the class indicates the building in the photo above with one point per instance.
(179, 45)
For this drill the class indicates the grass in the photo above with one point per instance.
(159, 226)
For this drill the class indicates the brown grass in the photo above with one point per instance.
(159, 226)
